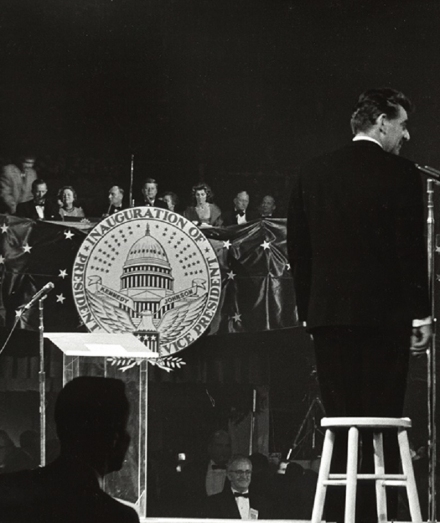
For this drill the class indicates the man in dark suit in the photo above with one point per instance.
(358, 256)
(236, 501)
(91, 417)
(149, 192)
(39, 208)
(116, 200)
(205, 477)
(267, 207)
(240, 214)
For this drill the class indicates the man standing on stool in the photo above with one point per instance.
(357, 251)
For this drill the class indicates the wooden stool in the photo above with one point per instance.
(349, 480)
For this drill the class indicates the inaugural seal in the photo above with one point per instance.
(150, 272)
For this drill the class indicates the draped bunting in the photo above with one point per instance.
(257, 287)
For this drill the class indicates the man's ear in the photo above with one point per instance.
(381, 122)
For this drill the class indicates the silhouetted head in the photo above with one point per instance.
(219, 448)
(91, 417)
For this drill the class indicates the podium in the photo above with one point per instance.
(124, 357)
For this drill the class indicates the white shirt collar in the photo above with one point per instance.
(360, 137)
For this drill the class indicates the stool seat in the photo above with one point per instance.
(379, 423)
(380, 478)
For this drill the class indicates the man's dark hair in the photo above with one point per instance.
(90, 407)
(38, 181)
(373, 103)
(151, 180)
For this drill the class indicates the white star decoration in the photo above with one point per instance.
(265, 245)
(287, 266)
(2, 260)
(437, 249)
(236, 317)
(60, 298)
(27, 248)
(226, 244)
(62, 274)
(68, 234)
(231, 275)
(4, 228)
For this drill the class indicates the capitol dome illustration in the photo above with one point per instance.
(147, 277)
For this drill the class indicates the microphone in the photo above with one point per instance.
(430, 171)
(40, 294)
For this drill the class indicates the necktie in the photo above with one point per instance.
(239, 213)
(241, 494)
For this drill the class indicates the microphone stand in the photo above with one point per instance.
(433, 176)
(42, 382)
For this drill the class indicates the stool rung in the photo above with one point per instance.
(392, 477)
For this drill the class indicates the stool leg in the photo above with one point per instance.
(352, 468)
(324, 471)
(411, 488)
(379, 468)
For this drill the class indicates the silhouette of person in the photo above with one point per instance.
(91, 417)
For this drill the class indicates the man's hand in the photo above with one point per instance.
(421, 336)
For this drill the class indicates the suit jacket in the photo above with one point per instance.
(193, 490)
(157, 203)
(224, 506)
(64, 491)
(112, 209)
(28, 210)
(356, 239)
(230, 217)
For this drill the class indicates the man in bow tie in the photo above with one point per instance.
(235, 501)
(116, 200)
(240, 214)
(39, 208)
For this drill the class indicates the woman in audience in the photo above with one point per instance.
(171, 199)
(203, 212)
(67, 196)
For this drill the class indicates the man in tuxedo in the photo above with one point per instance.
(206, 476)
(91, 417)
(149, 192)
(116, 200)
(39, 208)
(267, 208)
(236, 501)
(357, 251)
(240, 214)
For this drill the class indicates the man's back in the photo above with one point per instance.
(64, 491)
(356, 216)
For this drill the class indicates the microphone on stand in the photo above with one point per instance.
(430, 171)
(40, 294)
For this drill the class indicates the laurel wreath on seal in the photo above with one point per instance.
(167, 363)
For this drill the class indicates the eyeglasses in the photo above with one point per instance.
(242, 472)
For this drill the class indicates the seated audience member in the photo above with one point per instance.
(171, 199)
(7, 449)
(16, 183)
(237, 501)
(39, 208)
(69, 209)
(91, 418)
(26, 456)
(203, 212)
(149, 192)
(205, 476)
(240, 213)
(116, 200)
(267, 208)
(261, 476)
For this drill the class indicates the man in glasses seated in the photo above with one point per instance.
(236, 501)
